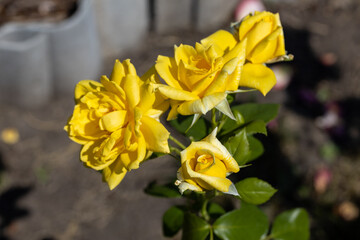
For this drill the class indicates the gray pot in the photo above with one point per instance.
(38, 59)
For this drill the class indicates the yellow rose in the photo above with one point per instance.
(265, 37)
(205, 165)
(198, 79)
(265, 43)
(117, 122)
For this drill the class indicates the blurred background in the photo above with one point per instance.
(46, 46)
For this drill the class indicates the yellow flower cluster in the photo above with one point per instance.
(117, 120)
(198, 79)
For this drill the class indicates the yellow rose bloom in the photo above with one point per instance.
(199, 78)
(265, 43)
(265, 37)
(117, 122)
(205, 165)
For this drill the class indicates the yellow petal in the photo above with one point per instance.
(151, 100)
(114, 174)
(185, 80)
(147, 97)
(168, 70)
(85, 86)
(281, 44)
(213, 100)
(132, 90)
(118, 72)
(200, 87)
(173, 111)
(129, 67)
(194, 147)
(277, 20)
(214, 167)
(81, 128)
(248, 23)
(257, 76)
(127, 136)
(191, 107)
(113, 87)
(232, 82)
(230, 162)
(184, 53)
(155, 134)
(218, 85)
(137, 119)
(258, 33)
(113, 121)
(91, 155)
(155, 113)
(280, 50)
(213, 52)
(132, 159)
(183, 186)
(175, 94)
(266, 49)
(205, 181)
(237, 52)
(223, 39)
(201, 106)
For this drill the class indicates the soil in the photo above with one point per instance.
(46, 193)
(35, 10)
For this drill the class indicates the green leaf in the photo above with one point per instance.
(167, 191)
(256, 148)
(215, 210)
(238, 147)
(173, 220)
(257, 126)
(239, 119)
(198, 131)
(291, 225)
(254, 190)
(195, 228)
(250, 112)
(256, 111)
(248, 223)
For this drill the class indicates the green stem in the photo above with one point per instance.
(204, 212)
(177, 142)
(222, 122)
(211, 234)
(213, 119)
(175, 149)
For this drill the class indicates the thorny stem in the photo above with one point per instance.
(177, 142)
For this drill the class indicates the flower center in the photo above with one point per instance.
(203, 162)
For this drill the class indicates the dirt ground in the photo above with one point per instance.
(46, 193)
(35, 10)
